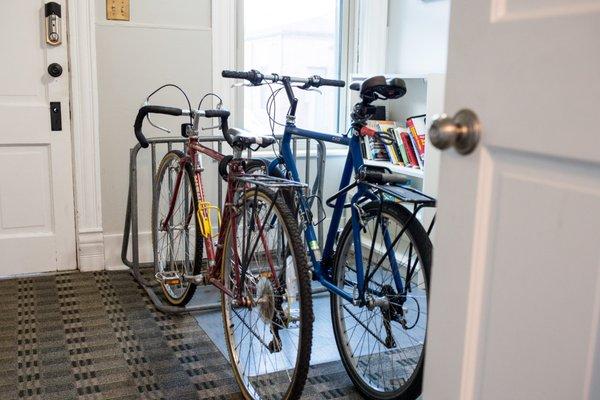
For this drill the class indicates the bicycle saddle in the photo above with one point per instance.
(378, 87)
(243, 139)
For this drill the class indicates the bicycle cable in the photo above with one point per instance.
(271, 108)
(219, 104)
(161, 88)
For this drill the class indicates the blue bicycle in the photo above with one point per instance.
(377, 270)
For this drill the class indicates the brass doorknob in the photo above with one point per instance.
(461, 131)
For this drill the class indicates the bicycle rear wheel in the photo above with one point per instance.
(268, 323)
(178, 243)
(382, 343)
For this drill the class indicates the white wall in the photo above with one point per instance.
(418, 36)
(165, 41)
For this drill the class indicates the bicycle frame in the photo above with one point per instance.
(323, 263)
(214, 257)
(191, 156)
(236, 177)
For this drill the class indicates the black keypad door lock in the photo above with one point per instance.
(55, 70)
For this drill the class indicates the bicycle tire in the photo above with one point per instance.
(269, 385)
(173, 157)
(411, 388)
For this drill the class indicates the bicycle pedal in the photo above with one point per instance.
(266, 274)
(168, 278)
(196, 279)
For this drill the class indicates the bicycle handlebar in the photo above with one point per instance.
(223, 114)
(145, 110)
(256, 78)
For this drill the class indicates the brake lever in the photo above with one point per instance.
(308, 89)
(166, 130)
(314, 90)
(240, 84)
(145, 103)
(211, 127)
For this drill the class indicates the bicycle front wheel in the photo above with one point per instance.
(175, 233)
(382, 342)
(268, 322)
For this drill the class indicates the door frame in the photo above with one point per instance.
(81, 28)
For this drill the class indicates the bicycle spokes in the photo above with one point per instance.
(174, 229)
(264, 322)
(383, 330)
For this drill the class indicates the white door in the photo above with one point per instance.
(515, 304)
(36, 186)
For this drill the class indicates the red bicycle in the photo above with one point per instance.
(258, 263)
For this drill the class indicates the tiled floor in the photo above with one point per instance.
(324, 348)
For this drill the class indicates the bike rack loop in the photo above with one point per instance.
(131, 228)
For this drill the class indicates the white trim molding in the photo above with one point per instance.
(224, 44)
(113, 245)
(85, 132)
(372, 38)
(90, 245)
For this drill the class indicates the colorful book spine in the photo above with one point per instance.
(378, 150)
(417, 139)
(415, 148)
(391, 149)
(409, 150)
(402, 151)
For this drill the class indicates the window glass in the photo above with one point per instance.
(296, 38)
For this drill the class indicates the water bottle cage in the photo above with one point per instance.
(205, 220)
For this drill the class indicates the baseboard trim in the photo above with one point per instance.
(112, 249)
(91, 251)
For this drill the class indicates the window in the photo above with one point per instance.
(296, 38)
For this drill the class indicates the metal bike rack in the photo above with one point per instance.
(131, 229)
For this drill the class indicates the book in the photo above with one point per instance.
(395, 149)
(418, 130)
(379, 150)
(392, 153)
(384, 126)
(408, 148)
(376, 149)
(415, 148)
(402, 152)
(413, 132)
(388, 127)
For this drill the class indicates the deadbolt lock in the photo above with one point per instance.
(53, 24)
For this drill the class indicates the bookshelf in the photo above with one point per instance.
(412, 172)
(424, 95)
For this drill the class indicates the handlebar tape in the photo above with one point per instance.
(223, 114)
(145, 110)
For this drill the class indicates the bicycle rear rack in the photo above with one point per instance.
(270, 181)
(131, 228)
